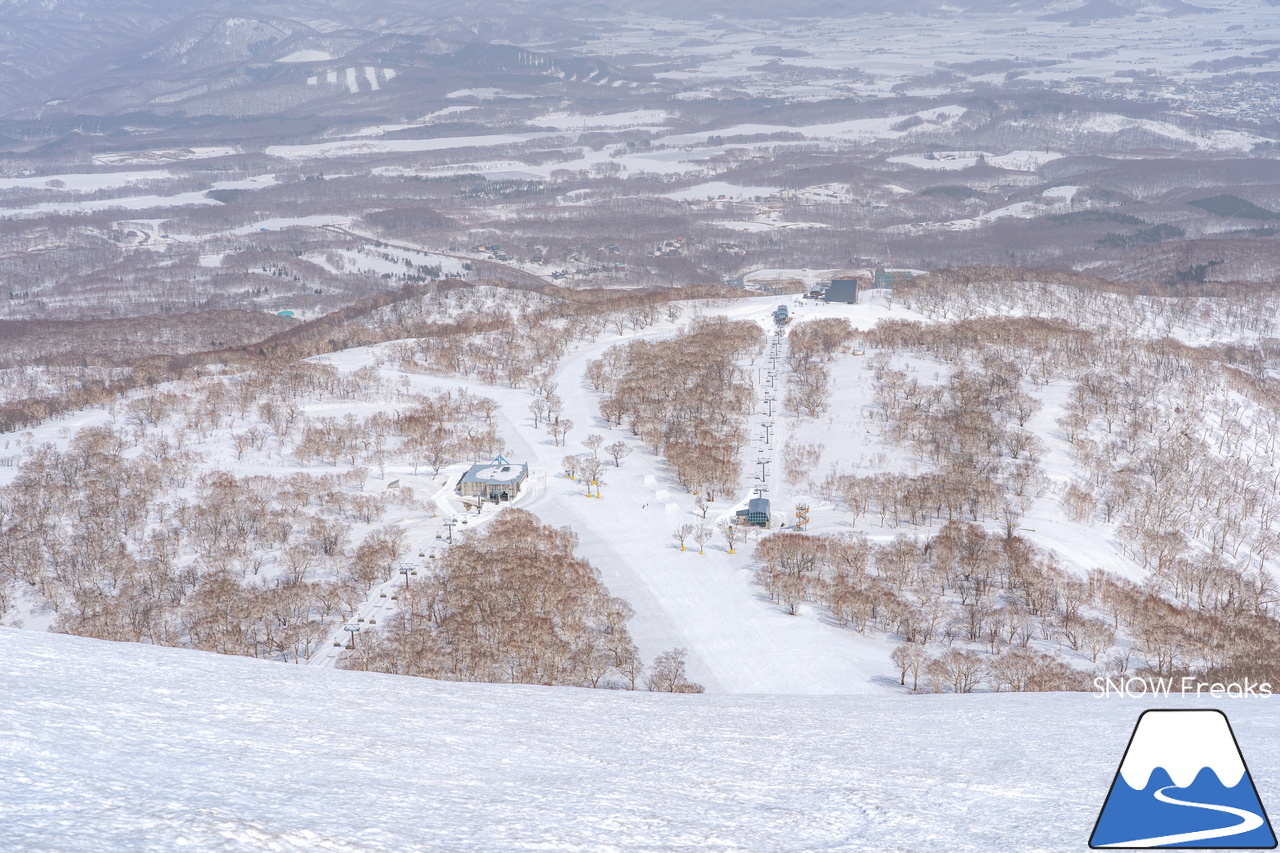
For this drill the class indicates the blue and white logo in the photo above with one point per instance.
(1183, 783)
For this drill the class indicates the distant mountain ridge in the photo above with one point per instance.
(127, 55)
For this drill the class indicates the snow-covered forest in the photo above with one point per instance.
(977, 484)
(490, 426)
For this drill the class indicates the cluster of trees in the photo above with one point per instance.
(430, 432)
(514, 350)
(976, 609)
(519, 337)
(687, 398)
(591, 465)
(512, 603)
(894, 499)
(800, 464)
(263, 414)
(1224, 310)
(809, 346)
(260, 566)
(970, 597)
(972, 428)
(1174, 447)
(1185, 465)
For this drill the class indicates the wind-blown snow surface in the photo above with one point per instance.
(116, 747)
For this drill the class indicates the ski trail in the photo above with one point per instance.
(1249, 822)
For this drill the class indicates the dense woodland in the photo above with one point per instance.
(131, 532)
(57, 375)
(135, 532)
(1173, 450)
(512, 604)
(686, 398)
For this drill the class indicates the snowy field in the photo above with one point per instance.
(894, 49)
(130, 748)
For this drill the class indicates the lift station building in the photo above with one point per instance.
(498, 480)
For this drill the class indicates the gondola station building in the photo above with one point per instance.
(495, 481)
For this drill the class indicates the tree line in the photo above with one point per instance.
(686, 398)
(512, 603)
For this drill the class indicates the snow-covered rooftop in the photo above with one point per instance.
(495, 473)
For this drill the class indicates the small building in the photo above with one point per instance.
(842, 290)
(780, 316)
(498, 480)
(756, 513)
(885, 279)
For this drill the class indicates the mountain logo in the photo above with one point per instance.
(1183, 783)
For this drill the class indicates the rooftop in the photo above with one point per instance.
(495, 473)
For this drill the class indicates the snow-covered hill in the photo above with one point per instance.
(114, 747)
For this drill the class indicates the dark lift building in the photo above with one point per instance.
(842, 290)
(756, 513)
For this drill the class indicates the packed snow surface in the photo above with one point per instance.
(115, 747)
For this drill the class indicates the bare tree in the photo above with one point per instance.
(571, 463)
(559, 429)
(732, 534)
(618, 450)
(959, 670)
(591, 467)
(702, 535)
(909, 658)
(668, 674)
(538, 407)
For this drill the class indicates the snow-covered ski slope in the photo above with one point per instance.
(113, 747)
(709, 603)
